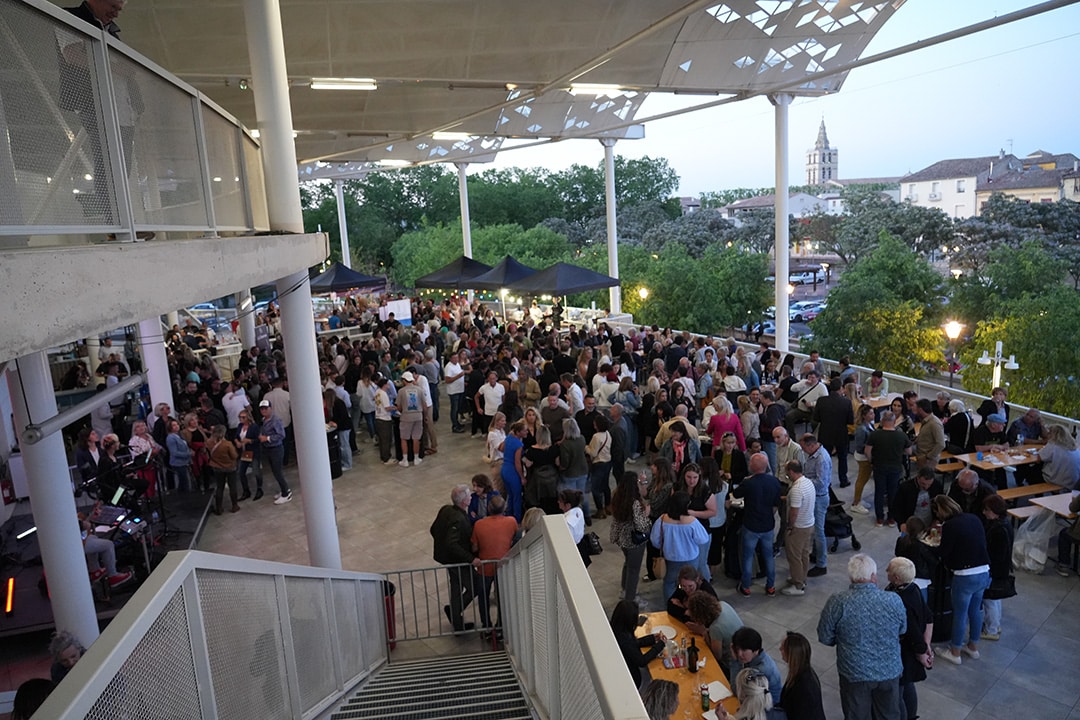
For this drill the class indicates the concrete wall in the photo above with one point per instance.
(50, 297)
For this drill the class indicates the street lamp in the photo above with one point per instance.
(825, 267)
(643, 293)
(952, 331)
(998, 360)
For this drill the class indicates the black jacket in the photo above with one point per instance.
(907, 495)
(452, 534)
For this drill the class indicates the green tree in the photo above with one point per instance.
(719, 198)
(885, 311)
(697, 232)
(513, 196)
(867, 213)
(1040, 331)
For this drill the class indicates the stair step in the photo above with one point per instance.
(478, 687)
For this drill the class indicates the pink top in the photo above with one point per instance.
(720, 424)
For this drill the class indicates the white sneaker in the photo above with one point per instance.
(404, 462)
(860, 509)
(391, 461)
(945, 654)
(417, 461)
(792, 590)
(282, 499)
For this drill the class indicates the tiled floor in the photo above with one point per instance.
(383, 516)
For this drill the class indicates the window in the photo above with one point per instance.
(960, 186)
(1076, 185)
(911, 189)
(935, 187)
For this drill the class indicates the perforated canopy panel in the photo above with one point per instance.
(499, 68)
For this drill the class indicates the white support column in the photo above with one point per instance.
(93, 344)
(245, 312)
(343, 226)
(155, 362)
(463, 199)
(615, 293)
(172, 318)
(782, 247)
(271, 91)
(53, 501)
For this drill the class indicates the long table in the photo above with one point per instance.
(1013, 457)
(687, 681)
(1058, 504)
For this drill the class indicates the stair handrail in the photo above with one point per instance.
(557, 634)
(310, 634)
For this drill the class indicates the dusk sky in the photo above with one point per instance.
(1014, 88)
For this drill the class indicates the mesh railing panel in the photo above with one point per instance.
(538, 616)
(256, 188)
(165, 178)
(243, 636)
(311, 648)
(347, 628)
(373, 615)
(223, 154)
(577, 696)
(158, 674)
(58, 172)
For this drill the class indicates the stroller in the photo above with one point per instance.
(838, 524)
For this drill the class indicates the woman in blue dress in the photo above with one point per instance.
(513, 472)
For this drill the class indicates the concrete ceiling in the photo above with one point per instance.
(446, 64)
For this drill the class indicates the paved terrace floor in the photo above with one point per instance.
(383, 519)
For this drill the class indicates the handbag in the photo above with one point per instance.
(637, 537)
(1001, 588)
(595, 548)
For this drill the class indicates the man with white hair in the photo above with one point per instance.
(864, 623)
(451, 533)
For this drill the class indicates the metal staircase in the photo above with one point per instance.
(483, 686)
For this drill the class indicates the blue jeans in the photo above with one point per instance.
(750, 542)
(601, 485)
(346, 450)
(275, 457)
(369, 421)
(579, 483)
(886, 485)
(671, 575)
(967, 597)
(821, 553)
(992, 616)
(455, 411)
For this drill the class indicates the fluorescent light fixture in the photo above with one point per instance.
(26, 533)
(450, 136)
(595, 89)
(256, 133)
(393, 162)
(343, 84)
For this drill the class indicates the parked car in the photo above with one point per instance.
(797, 310)
(809, 315)
(807, 277)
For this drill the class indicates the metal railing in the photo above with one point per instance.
(98, 139)
(556, 632)
(420, 595)
(898, 384)
(214, 636)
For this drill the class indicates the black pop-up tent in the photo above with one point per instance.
(504, 275)
(457, 275)
(563, 279)
(338, 278)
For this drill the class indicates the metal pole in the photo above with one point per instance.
(782, 246)
(33, 433)
(615, 293)
(53, 500)
(93, 345)
(271, 91)
(466, 228)
(343, 226)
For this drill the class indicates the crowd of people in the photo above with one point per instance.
(703, 454)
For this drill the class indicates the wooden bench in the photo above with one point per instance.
(949, 467)
(1023, 491)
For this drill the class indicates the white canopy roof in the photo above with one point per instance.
(495, 70)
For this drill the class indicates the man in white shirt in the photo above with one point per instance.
(430, 440)
(807, 392)
(279, 403)
(800, 527)
(574, 397)
(454, 378)
(234, 402)
(489, 397)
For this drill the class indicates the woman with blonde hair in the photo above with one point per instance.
(725, 420)
(750, 419)
(495, 437)
(755, 700)
(1060, 457)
